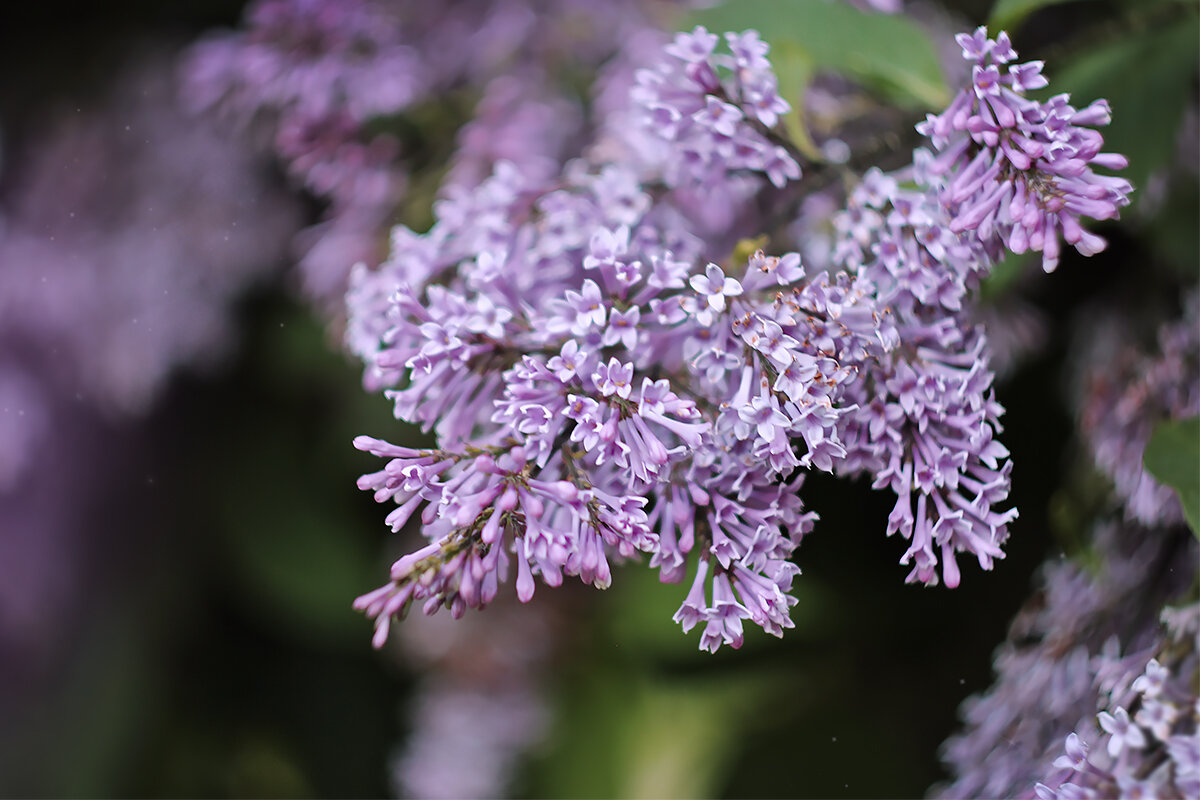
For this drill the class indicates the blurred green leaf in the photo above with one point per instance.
(1147, 78)
(1173, 232)
(260, 766)
(1173, 457)
(302, 568)
(1005, 273)
(681, 737)
(795, 70)
(887, 53)
(624, 736)
(109, 698)
(1008, 15)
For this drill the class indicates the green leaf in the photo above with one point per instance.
(1006, 273)
(1147, 79)
(795, 70)
(621, 733)
(1010, 15)
(302, 569)
(1173, 457)
(887, 53)
(681, 735)
(1007, 15)
(1172, 232)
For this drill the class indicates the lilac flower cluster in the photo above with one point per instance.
(925, 417)
(717, 111)
(629, 134)
(112, 278)
(1017, 170)
(334, 80)
(1144, 742)
(485, 727)
(1063, 661)
(1125, 394)
(616, 399)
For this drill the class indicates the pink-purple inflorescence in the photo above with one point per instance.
(1018, 171)
(125, 241)
(604, 383)
(1069, 681)
(925, 417)
(701, 102)
(1143, 739)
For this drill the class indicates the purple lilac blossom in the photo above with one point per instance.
(52, 560)
(925, 417)
(558, 451)
(1092, 699)
(127, 232)
(1125, 393)
(23, 422)
(628, 135)
(600, 390)
(1144, 741)
(1019, 171)
(716, 110)
(486, 728)
(1081, 650)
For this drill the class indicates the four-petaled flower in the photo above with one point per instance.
(1123, 732)
(713, 287)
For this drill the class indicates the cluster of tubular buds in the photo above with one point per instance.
(486, 507)
(926, 415)
(530, 316)
(344, 85)
(715, 108)
(1020, 171)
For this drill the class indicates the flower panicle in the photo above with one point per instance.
(1018, 172)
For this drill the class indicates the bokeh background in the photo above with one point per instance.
(181, 537)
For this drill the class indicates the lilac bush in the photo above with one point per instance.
(625, 292)
(605, 382)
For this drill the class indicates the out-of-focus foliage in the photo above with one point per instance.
(1148, 79)
(889, 53)
(1173, 456)
(1010, 14)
